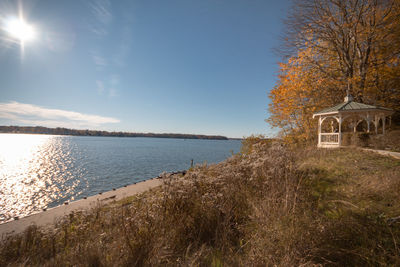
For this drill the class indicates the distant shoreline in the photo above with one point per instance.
(75, 132)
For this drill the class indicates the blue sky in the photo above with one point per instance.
(181, 66)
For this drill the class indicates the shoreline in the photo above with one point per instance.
(49, 216)
(13, 129)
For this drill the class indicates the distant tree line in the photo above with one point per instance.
(65, 131)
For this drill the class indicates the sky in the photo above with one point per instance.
(176, 66)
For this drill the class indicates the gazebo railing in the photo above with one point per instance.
(331, 138)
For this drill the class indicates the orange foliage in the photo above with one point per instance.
(320, 73)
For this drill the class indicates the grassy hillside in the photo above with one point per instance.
(268, 206)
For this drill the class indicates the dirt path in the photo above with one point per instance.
(385, 153)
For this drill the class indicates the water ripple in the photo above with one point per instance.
(41, 171)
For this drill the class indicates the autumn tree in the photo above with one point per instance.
(333, 46)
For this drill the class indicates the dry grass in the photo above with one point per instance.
(357, 194)
(390, 141)
(268, 206)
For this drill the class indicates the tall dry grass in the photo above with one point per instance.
(270, 205)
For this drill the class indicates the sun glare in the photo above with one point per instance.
(20, 30)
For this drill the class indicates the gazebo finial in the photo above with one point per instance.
(348, 97)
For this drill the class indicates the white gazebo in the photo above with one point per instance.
(354, 112)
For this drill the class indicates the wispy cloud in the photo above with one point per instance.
(101, 9)
(36, 115)
(112, 92)
(121, 45)
(100, 87)
(125, 43)
(98, 60)
(109, 86)
(114, 80)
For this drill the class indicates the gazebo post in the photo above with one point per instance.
(368, 122)
(376, 124)
(340, 130)
(383, 125)
(319, 131)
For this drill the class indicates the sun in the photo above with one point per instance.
(19, 29)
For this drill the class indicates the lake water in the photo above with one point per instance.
(42, 171)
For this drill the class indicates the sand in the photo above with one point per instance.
(48, 217)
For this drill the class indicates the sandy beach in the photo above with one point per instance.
(49, 216)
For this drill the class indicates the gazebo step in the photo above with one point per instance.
(328, 145)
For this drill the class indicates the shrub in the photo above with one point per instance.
(249, 142)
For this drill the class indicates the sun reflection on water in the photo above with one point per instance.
(43, 171)
(34, 171)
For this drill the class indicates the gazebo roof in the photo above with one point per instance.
(350, 105)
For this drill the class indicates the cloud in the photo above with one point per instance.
(101, 9)
(124, 47)
(112, 92)
(110, 85)
(99, 61)
(100, 87)
(114, 79)
(36, 115)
